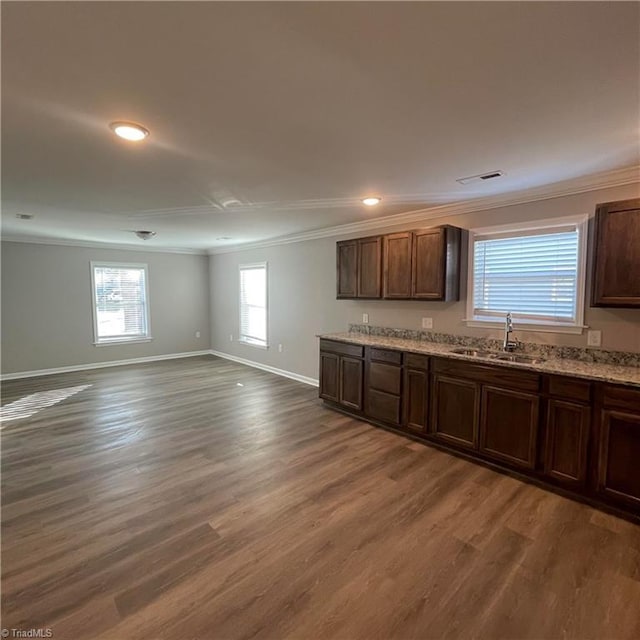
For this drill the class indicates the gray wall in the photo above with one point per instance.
(47, 306)
(302, 299)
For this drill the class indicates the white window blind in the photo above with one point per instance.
(534, 274)
(253, 304)
(120, 302)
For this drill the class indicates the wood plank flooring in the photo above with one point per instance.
(199, 498)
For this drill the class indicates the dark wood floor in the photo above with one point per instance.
(198, 498)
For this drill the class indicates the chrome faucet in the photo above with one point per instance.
(509, 345)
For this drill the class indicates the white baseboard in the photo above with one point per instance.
(102, 365)
(265, 367)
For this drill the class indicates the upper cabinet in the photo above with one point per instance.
(616, 262)
(358, 268)
(435, 270)
(396, 260)
(410, 265)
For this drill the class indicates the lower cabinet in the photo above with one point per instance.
(341, 374)
(564, 431)
(351, 382)
(567, 437)
(416, 400)
(383, 386)
(619, 459)
(455, 411)
(509, 426)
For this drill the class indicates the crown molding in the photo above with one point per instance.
(97, 245)
(584, 184)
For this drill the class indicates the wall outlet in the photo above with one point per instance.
(231, 337)
(594, 338)
(280, 348)
(365, 318)
(427, 323)
(197, 334)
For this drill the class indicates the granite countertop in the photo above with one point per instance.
(614, 373)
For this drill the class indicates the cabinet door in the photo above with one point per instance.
(619, 464)
(329, 376)
(509, 426)
(347, 269)
(616, 263)
(566, 441)
(351, 382)
(456, 407)
(428, 264)
(369, 267)
(397, 265)
(415, 401)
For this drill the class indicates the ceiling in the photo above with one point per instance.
(270, 119)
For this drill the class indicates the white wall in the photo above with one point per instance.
(303, 303)
(47, 306)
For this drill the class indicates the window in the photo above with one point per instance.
(535, 273)
(253, 304)
(120, 302)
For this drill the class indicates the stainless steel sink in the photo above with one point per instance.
(515, 357)
(503, 357)
(476, 353)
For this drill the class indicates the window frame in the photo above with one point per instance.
(101, 342)
(241, 339)
(581, 223)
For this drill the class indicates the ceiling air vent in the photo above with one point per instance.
(481, 177)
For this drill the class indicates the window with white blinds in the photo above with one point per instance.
(253, 304)
(536, 274)
(120, 302)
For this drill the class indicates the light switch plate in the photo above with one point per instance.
(197, 334)
(427, 323)
(280, 348)
(365, 318)
(594, 338)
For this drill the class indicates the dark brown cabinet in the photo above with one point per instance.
(619, 455)
(559, 431)
(411, 265)
(435, 259)
(359, 268)
(416, 394)
(567, 437)
(509, 426)
(341, 373)
(455, 411)
(396, 265)
(616, 260)
(383, 385)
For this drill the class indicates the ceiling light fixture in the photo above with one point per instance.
(371, 201)
(145, 235)
(24, 216)
(129, 131)
(224, 238)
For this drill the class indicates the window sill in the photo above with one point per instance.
(108, 343)
(520, 325)
(253, 344)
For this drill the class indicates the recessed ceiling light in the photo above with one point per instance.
(371, 201)
(129, 131)
(24, 216)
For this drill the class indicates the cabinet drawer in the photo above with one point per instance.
(488, 374)
(415, 361)
(383, 406)
(568, 388)
(385, 355)
(625, 398)
(343, 348)
(384, 377)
